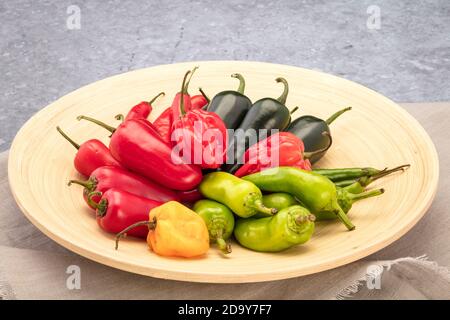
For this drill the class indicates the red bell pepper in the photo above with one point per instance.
(143, 109)
(91, 155)
(163, 125)
(119, 209)
(190, 196)
(200, 136)
(139, 148)
(288, 149)
(104, 178)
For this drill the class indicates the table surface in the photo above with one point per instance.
(41, 59)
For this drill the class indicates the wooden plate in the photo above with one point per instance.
(377, 132)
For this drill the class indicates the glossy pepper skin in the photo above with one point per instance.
(314, 191)
(91, 155)
(266, 114)
(118, 209)
(139, 148)
(174, 231)
(189, 196)
(143, 109)
(219, 221)
(163, 125)
(231, 106)
(310, 129)
(200, 135)
(279, 200)
(242, 197)
(104, 178)
(280, 149)
(290, 227)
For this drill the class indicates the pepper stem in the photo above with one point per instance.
(88, 184)
(119, 117)
(302, 219)
(308, 155)
(150, 224)
(283, 97)
(98, 122)
(224, 246)
(204, 95)
(336, 115)
(189, 80)
(295, 109)
(366, 180)
(183, 92)
(241, 87)
(76, 145)
(259, 206)
(161, 94)
(91, 202)
(365, 195)
(343, 217)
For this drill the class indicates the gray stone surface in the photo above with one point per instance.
(407, 59)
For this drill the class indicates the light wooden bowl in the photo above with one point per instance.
(377, 132)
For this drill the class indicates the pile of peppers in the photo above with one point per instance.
(206, 171)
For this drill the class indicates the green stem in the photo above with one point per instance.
(183, 92)
(295, 109)
(88, 184)
(336, 115)
(365, 195)
(189, 80)
(204, 94)
(241, 87)
(283, 97)
(161, 94)
(76, 145)
(224, 246)
(91, 202)
(343, 217)
(119, 117)
(308, 155)
(259, 206)
(150, 224)
(98, 122)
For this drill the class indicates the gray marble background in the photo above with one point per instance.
(41, 59)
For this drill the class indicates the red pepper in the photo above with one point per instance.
(119, 209)
(91, 155)
(163, 125)
(199, 101)
(201, 136)
(182, 96)
(139, 148)
(143, 109)
(190, 196)
(105, 178)
(289, 149)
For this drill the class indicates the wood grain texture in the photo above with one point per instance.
(377, 132)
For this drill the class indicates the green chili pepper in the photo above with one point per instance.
(314, 191)
(289, 227)
(219, 221)
(279, 200)
(241, 196)
(351, 174)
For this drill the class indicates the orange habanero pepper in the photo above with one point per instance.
(174, 231)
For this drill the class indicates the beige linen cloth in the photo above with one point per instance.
(415, 267)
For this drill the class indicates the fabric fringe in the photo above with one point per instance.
(355, 286)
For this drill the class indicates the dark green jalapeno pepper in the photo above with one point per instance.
(265, 114)
(219, 221)
(289, 227)
(314, 191)
(231, 106)
(241, 196)
(310, 128)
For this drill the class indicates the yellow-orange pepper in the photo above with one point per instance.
(174, 231)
